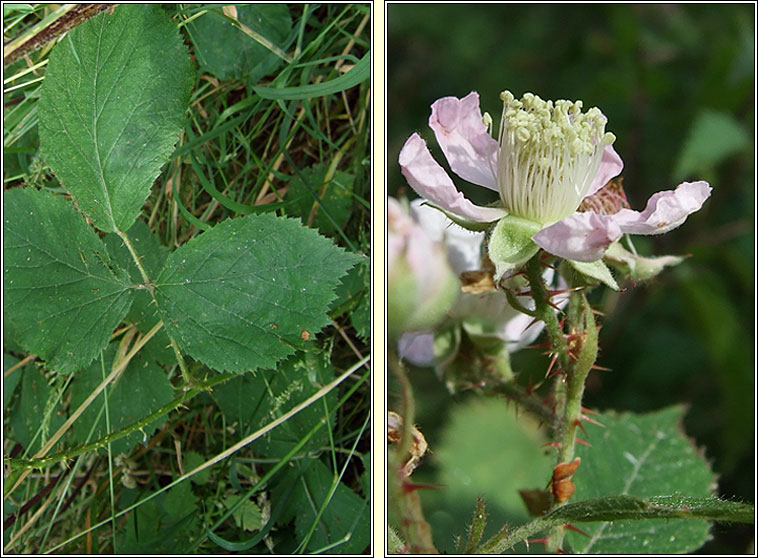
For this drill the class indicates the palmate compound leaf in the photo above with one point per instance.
(62, 293)
(645, 456)
(112, 103)
(250, 291)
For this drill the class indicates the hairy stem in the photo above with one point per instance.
(545, 312)
(576, 352)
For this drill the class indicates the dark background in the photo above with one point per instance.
(677, 85)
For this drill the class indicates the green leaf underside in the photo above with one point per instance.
(112, 103)
(597, 271)
(228, 53)
(244, 294)
(140, 389)
(644, 456)
(63, 294)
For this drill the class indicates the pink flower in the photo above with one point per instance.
(547, 159)
(484, 315)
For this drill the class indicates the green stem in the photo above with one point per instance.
(616, 508)
(408, 411)
(545, 312)
(575, 358)
(39, 463)
(571, 410)
(575, 380)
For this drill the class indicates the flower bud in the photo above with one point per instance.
(421, 286)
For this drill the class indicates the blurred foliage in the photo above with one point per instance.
(677, 85)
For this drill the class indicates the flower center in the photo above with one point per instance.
(549, 155)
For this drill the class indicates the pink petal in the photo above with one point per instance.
(582, 237)
(464, 139)
(431, 181)
(665, 210)
(611, 166)
(417, 348)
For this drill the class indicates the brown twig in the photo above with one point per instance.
(46, 31)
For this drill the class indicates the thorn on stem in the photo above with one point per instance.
(592, 420)
(409, 487)
(572, 528)
(578, 423)
(552, 363)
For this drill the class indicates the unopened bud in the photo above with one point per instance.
(421, 286)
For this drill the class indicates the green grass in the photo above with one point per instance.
(241, 152)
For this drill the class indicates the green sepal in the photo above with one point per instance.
(473, 226)
(446, 344)
(595, 271)
(637, 267)
(511, 245)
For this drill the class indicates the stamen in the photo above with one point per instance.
(549, 155)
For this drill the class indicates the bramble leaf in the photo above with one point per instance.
(250, 291)
(345, 513)
(35, 411)
(643, 456)
(228, 53)
(335, 194)
(63, 294)
(111, 106)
